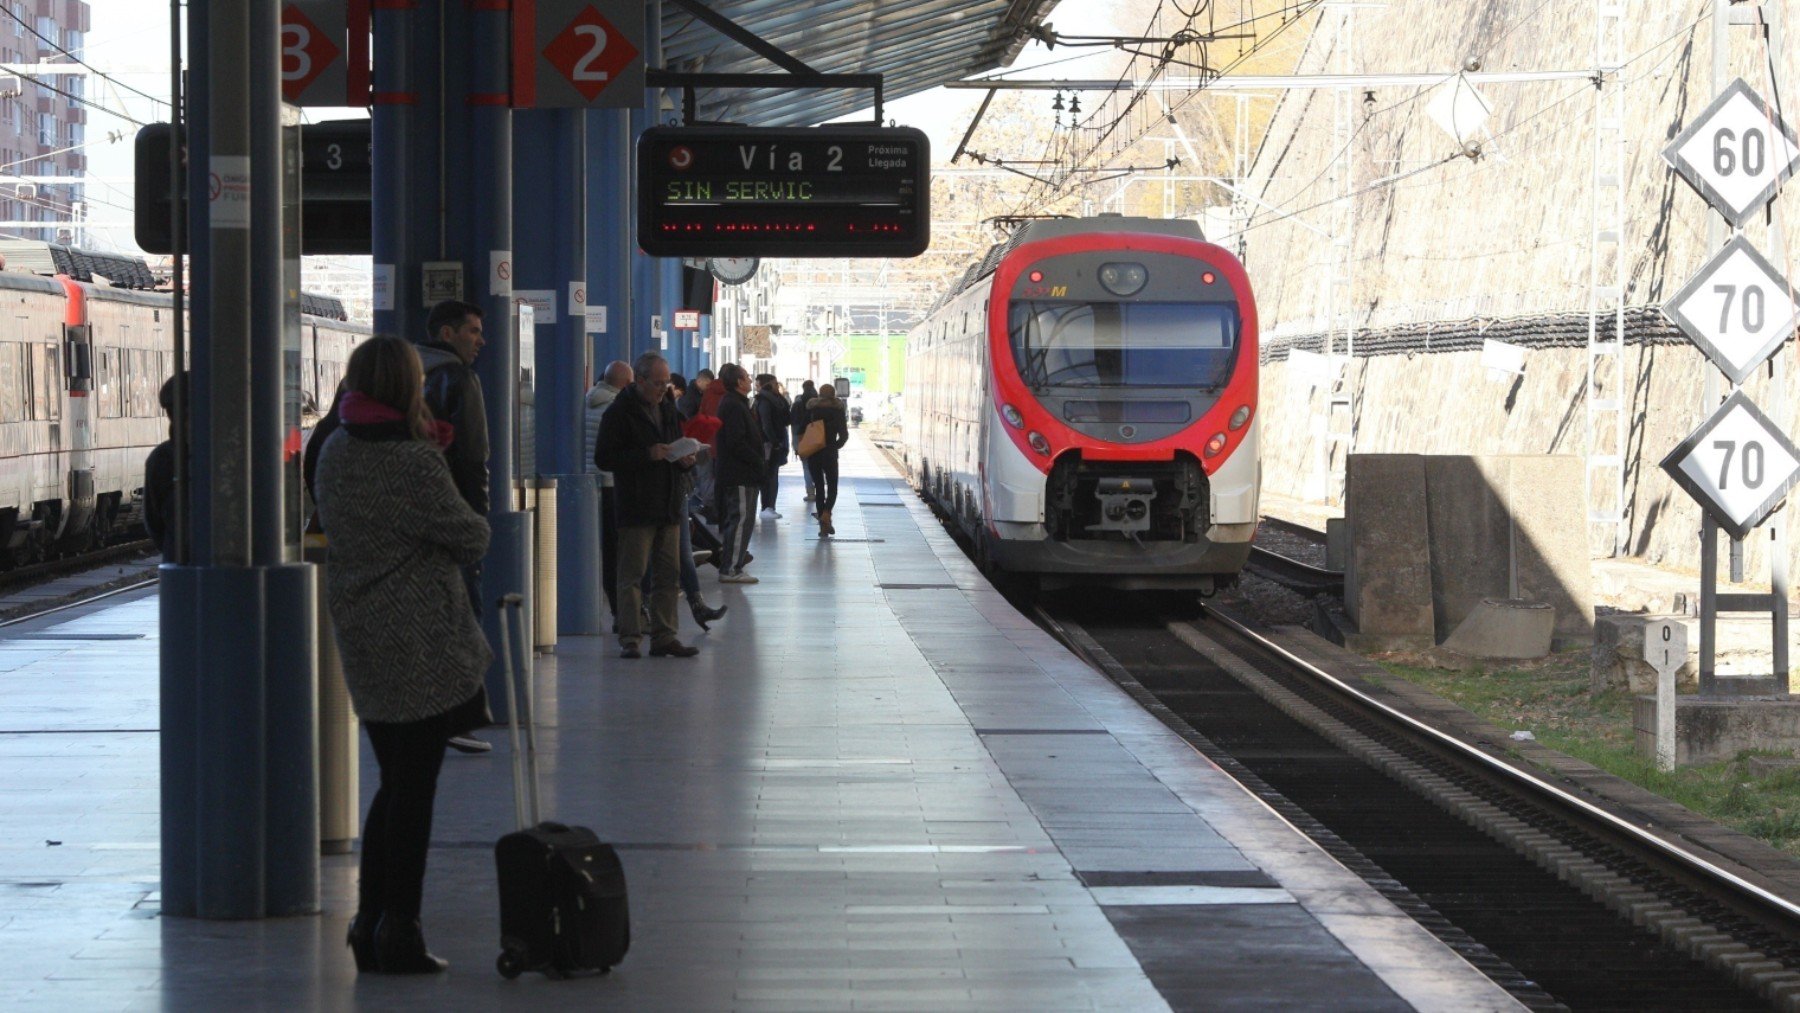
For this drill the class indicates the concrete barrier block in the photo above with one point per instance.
(1716, 729)
(1387, 580)
(1546, 496)
(1468, 521)
(1505, 628)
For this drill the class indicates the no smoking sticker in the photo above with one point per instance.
(228, 193)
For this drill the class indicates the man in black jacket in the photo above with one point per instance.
(738, 472)
(649, 487)
(772, 414)
(453, 338)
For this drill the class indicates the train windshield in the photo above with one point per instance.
(1136, 344)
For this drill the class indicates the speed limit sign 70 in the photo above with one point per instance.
(1738, 465)
(1738, 309)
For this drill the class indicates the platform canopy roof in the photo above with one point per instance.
(914, 44)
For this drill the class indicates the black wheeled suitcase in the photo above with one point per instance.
(562, 892)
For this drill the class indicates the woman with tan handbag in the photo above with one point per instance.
(826, 431)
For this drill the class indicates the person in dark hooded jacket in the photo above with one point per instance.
(738, 471)
(798, 421)
(773, 415)
(827, 408)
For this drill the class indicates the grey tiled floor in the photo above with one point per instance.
(857, 797)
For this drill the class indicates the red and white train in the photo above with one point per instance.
(1083, 405)
(81, 367)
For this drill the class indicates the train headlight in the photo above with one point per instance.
(1216, 445)
(1239, 417)
(1012, 416)
(1124, 279)
(1038, 443)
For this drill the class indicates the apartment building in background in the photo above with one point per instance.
(41, 131)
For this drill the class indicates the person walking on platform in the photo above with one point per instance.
(773, 416)
(823, 465)
(637, 434)
(738, 470)
(797, 420)
(688, 405)
(413, 654)
(453, 393)
(616, 378)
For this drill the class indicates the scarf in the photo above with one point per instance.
(368, 418)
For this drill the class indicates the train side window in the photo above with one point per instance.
(108, 383)
(143, 374)
(12, 363)
(46, 364)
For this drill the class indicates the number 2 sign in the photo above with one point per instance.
(578, 54)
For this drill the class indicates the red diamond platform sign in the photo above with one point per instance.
(578, 54)
(313, 69)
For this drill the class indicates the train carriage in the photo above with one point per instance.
(1083, 405)
(81, 366)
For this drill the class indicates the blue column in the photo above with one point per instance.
(680, 342)
(610, 245)
(646, 274)
(478, 134)
(646, 277)
(549, 204)
(392, 124)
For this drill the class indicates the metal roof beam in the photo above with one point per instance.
(743, 36)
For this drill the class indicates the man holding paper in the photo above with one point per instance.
(640, 442)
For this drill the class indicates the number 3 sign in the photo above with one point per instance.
(580, 54)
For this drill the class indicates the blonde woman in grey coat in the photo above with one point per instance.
(413, 654)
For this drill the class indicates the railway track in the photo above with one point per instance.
(1561, 903)
(19, 576)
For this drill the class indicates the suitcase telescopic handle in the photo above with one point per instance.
(518, 688)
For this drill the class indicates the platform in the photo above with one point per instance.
(878, 786)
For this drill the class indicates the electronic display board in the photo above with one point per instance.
(831, 191)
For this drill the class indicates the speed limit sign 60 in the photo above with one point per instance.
(1737, 153)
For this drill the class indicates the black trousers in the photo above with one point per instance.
(771, 484)
(397, 832)
(823, 467)
(609, 549)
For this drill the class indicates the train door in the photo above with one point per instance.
(78, 370)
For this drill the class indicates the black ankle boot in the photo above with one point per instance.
(704, 614)
(361, 941)
(400, 949)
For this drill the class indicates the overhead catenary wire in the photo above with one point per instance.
(7, 10)
(1511, 129)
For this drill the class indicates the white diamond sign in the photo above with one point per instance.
(1738, 309)
(1738, 465)
(1737, 153)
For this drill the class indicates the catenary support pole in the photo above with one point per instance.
(290, 677)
